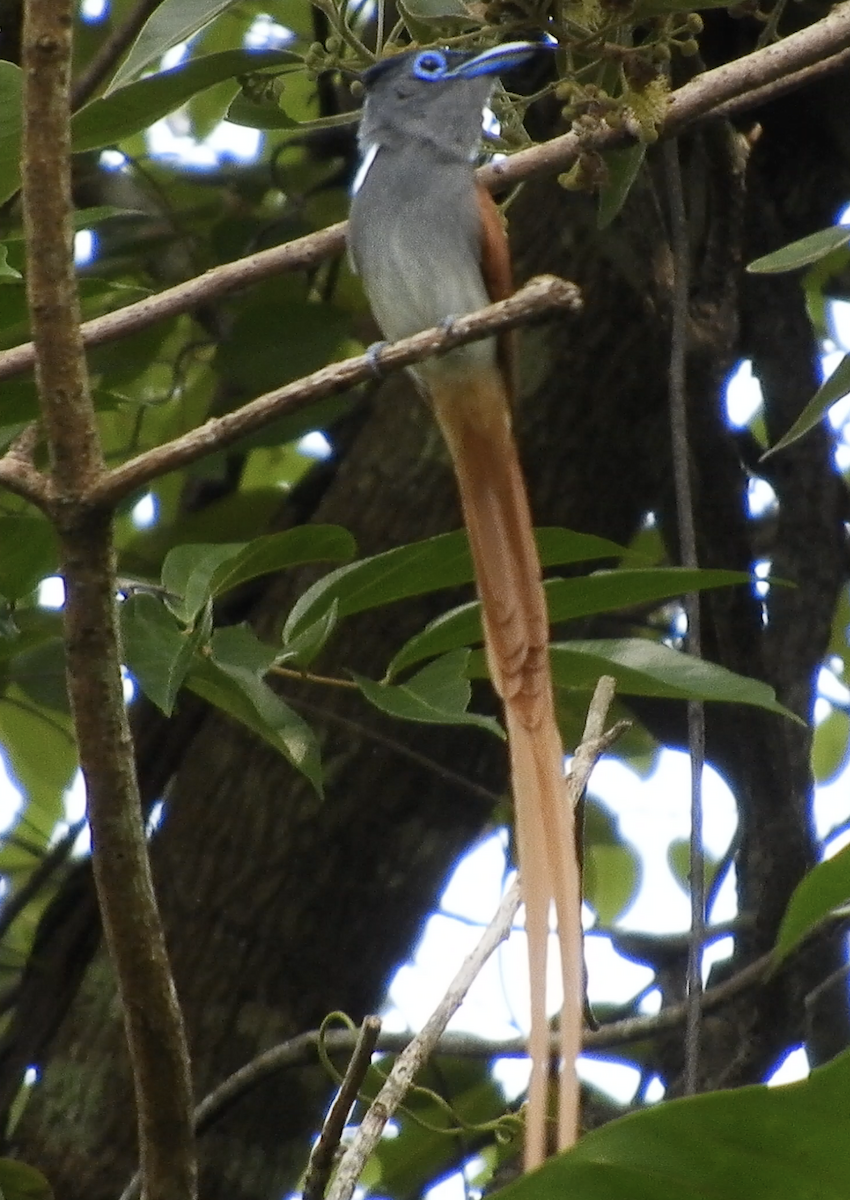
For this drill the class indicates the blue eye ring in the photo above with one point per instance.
(430, 65)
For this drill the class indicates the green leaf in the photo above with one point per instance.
(157, 650)
(610, 877)
(645, 668)
(292, 548)
(40, 674)
(187, 573)
(42, 756)
(438, 695)
(173, 22)
(28, 553)
(266, 113)
(10, 129)
(198, 572)
(802, 252)
(18, 1181)
(231, 680)
(7, 272)
(825, 888)
(623, 167)
(753, 1143)
(567, 600)
(130, 109)
(426, 566)
(679, 861)
(303, 648)
(831, 390)
(830, 745)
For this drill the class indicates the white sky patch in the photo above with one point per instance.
(838, 315)
(760, 496)
(654, 1090)
(743, 395)
(315, 445)
(85, 246)
(610, 976)
(832, 804)
(51, 592)
(93, 10)
(616, 1079)
(455, 1186)
(144, 512)
(171, 138)
(652, 813)
(11, 797)
(174, 57)
(795, 1066)
(113, 160)
(266, 33)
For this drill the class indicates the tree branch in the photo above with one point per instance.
(539, 295)
(414, 1055)
(418, 1051)
(301, 1051)
(793, 62)
(122, 873)
(17, 469)
(322, 1157)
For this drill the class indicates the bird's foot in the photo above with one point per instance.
(373, 354)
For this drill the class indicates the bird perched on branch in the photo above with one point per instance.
(429, 244)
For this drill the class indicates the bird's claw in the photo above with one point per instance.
(373, 354)
(448, 323)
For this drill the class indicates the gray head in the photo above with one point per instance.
(435, 97)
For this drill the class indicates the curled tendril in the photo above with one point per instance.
(504, 1128)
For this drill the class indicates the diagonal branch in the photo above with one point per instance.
(542, 294)
(754, 79)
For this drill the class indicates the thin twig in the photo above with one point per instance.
(301, 1051)
(678, 387)
(368, 733)
(311, 677)
(321, 1162)
(132, 928)
(419, 1050)
(761, 76)
(539, 295)
(109, 51)
(18, 471)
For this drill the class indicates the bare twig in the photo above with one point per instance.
(753, 79)
(595, 739)
(422, 1046)
(109, 51)
(122, 873)
(301, 1051)
(540, 295)
(18, 472)
(322, 1158)
(220, 281)
(678, 395)
(418, 1051)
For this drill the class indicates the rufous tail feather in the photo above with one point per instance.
(474, 416)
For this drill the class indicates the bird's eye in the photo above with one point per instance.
(430, 64)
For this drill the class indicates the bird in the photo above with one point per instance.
(429, 244)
